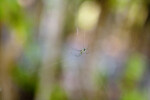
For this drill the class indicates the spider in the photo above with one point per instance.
(82, 51)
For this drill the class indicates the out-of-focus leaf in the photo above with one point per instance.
(135, 67)
(58, 93)
(133, 95)
(24, 80)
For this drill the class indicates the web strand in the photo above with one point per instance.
(77, 31)
(84, 41)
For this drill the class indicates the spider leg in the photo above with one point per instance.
(76, 49)
(77, 53)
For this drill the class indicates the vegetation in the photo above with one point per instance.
(39, 41)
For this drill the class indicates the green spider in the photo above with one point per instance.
(80, 52)
(84, 50)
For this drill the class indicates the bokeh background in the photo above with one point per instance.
(40, 39)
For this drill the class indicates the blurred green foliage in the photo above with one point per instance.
(14, 17)
(58, 93)
(135, 67)
(134, 71)
(133, 95)
(27, 82)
